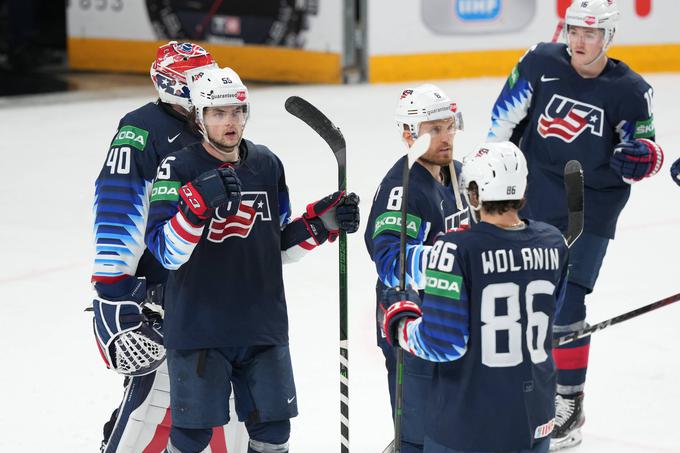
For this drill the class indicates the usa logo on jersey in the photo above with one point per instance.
(566, 119)
(225, 225)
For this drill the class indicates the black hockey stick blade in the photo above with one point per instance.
(615, 320)
(573, 184)
(313, 117)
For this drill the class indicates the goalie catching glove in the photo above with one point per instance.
(130, 342)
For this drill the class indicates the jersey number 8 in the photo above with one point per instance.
(537, 323)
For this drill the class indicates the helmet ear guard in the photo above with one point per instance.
(425, 103)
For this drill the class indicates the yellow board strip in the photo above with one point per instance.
(451, 65)
(251, 62)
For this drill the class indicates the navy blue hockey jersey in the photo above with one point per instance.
(144, 137)
(490, 300)
(225, 286)
(431, 212)
(555, 115)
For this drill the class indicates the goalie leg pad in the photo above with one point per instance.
(143, 415)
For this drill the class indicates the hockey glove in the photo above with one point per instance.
(212, 189)
(636, 159)
(399, 305)
(675, 172)
(337, 212)
(129, 342)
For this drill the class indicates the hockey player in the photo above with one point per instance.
(219, 220)
(491, 296)
(431, 212)
(675, 171)
(570, 101)
(125, 274)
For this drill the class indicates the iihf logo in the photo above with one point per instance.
(566, 119)
(225, 224)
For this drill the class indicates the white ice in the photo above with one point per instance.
(55, 392)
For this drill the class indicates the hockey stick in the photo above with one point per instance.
(573, 185)
(309, 114)
(419, 147)
(615, 320)
(454, 186)
(558, 30)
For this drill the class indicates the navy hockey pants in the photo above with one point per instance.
(585, 260)
(417, 384)
(264, 393)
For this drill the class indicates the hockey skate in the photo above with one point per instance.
(569, 418)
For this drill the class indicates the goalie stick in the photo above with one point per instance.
(310, 115)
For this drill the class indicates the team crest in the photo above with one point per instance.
(225, 225)
(566, 119)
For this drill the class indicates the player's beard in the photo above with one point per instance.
(437, 159)
(225, 144)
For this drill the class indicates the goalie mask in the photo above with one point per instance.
(173, 65)
(130, 342)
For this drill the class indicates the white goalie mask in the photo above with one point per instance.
(599, 14)
(425, 103)
(498, 169)
(217, 87)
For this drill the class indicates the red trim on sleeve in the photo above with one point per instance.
(181, 232)
(108, 280)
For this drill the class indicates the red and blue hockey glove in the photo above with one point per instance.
(675, 171)
(214, 188)
(636, 159)
(337, 212)
(399, 305)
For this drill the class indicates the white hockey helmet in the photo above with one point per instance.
(601, 14)
(498, 169)
(425, 103)
(217, 87)
(170, 68)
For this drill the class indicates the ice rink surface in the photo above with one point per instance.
(55, 392)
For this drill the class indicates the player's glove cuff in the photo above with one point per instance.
(397, 318)
(396, 305)
(636, 160)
